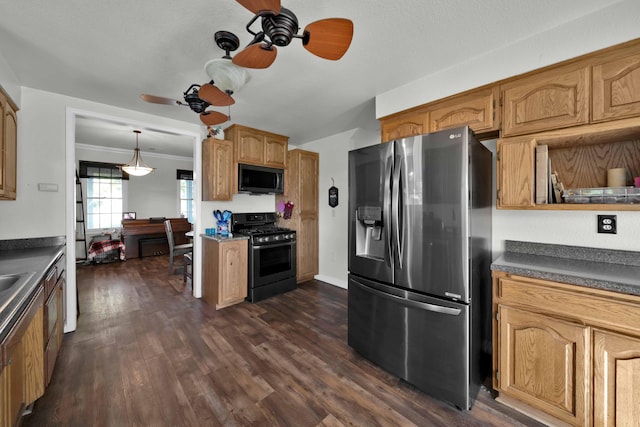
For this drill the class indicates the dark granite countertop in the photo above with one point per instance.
(224, 238)
(606, 269)
(20, 257)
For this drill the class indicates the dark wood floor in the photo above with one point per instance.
(146, 353)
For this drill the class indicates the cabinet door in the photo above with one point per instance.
(308, 183)
(544, 363)
(515, 173)
(250, 147)
(416, 123)
(275, 152)
(8, 149)
(233, 279)
(478, 110)
(616, 89)
(307, 248)
(217, 169)
(616, 380)
(14, 370)
(553, 99)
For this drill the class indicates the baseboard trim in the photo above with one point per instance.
(332, 281)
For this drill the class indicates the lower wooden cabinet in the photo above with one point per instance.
(566, 354)
(616, 379)
(543, 363)
(22, 371)
(224, 272)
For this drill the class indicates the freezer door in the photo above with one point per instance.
(422, 340)
(370, 250)
(431, 175)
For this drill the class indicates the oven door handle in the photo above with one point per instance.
(268, 245)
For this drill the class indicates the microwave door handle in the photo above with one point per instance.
(279, 177)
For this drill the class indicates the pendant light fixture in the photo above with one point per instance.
(136, 166)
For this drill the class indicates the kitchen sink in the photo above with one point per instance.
(11, 286)
(8, 280)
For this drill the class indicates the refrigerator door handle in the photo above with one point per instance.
(386, 220)
(411, 303)
(397, 200)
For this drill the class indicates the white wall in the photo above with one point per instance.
(615, 24)
(9, 81)
(610, 26)
(240, 203)
(151, 195)
(333, 222)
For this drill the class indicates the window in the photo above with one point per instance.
(105, 189)
(185, 194)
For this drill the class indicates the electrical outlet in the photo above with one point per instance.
(607, 224)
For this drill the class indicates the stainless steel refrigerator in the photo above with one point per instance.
(419, 261)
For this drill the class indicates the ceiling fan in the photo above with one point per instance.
(326, 38)
(200, 97)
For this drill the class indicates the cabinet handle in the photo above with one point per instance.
(10, 360)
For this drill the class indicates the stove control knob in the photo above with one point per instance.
(278, 237)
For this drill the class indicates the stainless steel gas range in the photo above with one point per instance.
(272, 254)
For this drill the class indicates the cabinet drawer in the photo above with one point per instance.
(50, 281)
(50, 356)
(50, 316)
(609, 310)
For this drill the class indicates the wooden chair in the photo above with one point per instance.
(175, 250)
(187, 272)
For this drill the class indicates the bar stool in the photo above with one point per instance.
(187, 269)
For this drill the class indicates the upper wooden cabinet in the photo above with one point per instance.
(581, 157)
(8, 147)
(552, 99)
(257, 147)
(479, 109)
(404, 125)
(616, 86)
(217, 169)
(515, 182)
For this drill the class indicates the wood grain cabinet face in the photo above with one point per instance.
(616, 88)
(544, 363)
(616, 379)
(217, 169)
(302, 189)
(8, 148)
(515, 173)
(224, 275)
(257, 147)
(405, 125)
(548, 100)
(479, 110)
(569, 352)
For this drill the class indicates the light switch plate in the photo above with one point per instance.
(43, 186)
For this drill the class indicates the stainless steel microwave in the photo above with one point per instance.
(260, 179)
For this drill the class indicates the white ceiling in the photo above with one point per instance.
(113, 51)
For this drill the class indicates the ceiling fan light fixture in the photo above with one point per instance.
(136, 166)
(226, 75)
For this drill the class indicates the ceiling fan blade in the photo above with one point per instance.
(328, 38)
(214, 96)
(257, 6)
(211, 118)
(159, 100)
(256, 56)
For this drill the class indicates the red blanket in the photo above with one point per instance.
(99, 248)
